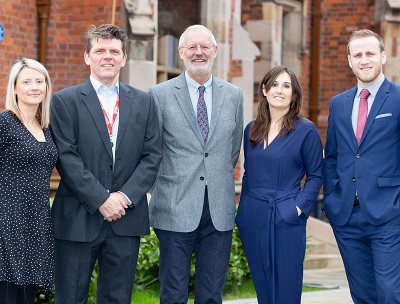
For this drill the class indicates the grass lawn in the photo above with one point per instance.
(151, 295)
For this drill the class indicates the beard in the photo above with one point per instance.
(368, 78)
(198, 70)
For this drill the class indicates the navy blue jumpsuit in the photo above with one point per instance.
(272, 233)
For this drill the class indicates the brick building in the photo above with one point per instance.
(309, 36)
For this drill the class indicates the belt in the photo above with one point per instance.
(271, 197)
(356, 202)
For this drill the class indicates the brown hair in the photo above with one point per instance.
(365, 34)
(260, 128)
(105, 31)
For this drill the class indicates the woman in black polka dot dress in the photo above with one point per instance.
(27, 157)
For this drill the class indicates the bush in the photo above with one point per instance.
(238, 270)
(147, 268)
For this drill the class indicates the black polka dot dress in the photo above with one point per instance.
(26, 231)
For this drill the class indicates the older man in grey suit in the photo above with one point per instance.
(193, 201)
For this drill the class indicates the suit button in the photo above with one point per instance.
(110, 167)
(206, 154)
(353, 179)
(201, 178)
(358, 155)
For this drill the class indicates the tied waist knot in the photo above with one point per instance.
(272, 196)
(267, 243)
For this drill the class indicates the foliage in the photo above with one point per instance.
(238, 270)
(147, 276)
(93, 285)
(147, 268)
(45, 297)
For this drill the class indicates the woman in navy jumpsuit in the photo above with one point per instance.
(280, 148)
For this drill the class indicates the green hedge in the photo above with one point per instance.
(147, 268)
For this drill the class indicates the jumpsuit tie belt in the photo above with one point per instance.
(267, 243)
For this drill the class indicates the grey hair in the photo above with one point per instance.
(196, 27)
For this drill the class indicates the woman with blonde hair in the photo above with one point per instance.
(27, 158)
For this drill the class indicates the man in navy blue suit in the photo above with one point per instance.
(362, 174)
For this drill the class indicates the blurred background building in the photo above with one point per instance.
(310, 36)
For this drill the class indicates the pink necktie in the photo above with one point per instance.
(362, 114)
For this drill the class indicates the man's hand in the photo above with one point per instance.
(114, 207)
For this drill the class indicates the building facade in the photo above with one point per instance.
(310, 36)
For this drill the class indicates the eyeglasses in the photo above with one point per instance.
(205, 48)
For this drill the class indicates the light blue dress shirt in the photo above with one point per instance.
(193, 87)
(108, 99)
(373, 90)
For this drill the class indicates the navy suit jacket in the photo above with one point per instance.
(372, 168)
(86, 166)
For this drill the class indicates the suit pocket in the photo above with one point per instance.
(380, 116)
(389, 181)
(221, 193)
(138, 127)
(165, 191)
(383, 121)
(228, 118)
(228, 113)
(286, 213)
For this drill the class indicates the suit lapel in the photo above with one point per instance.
(348, 109)
(218, 97)
(90, 99)
(376, 106)
(124, 111)
(183, 98)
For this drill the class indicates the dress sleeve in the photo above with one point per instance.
(244, 178)
(311, 153)
(4, 130)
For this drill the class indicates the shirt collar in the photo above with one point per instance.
(373, 89)
(97, 85)
(194, 85)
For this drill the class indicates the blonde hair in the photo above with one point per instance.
(43, 111)
(365, 34)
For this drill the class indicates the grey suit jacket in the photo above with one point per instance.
(86, 165)
(188, 164)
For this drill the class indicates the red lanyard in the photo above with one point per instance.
(115, 113)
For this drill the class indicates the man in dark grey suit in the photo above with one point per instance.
(193, 203)
(109, 152)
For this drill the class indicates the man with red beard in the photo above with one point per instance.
(192, 207)
(362, 174)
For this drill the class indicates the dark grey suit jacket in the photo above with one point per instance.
(86, 165)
